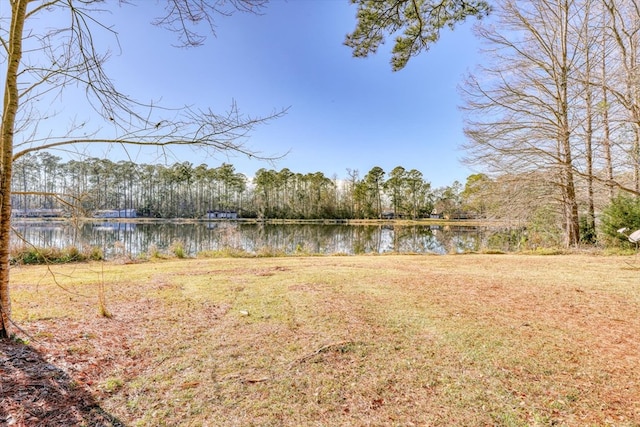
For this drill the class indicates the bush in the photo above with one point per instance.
(95, 254)
(269, 252)
(177, 248)
(507, 240)
(225, 253)
(154, 252)
(623, 212)
(587, 231)
(35, 255)
(544, 229)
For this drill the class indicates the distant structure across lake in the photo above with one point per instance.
(116, 213)
(217, 214)
(37, 213)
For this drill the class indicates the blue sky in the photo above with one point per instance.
(344, 112)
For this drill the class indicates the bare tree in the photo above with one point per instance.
(587, 44)
(520, 114)
(604, 106)
(623, 24)
(45, 62)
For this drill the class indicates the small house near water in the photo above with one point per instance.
(116, 213)
(219, 214)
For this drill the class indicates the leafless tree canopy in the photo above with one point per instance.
(183, 16)
(559, 95)
(73, 57)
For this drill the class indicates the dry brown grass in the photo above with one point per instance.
(471, 340)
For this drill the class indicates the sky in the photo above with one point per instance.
(343, 112)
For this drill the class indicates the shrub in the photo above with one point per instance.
(35, 255)
(95, 254)
(506, 240)
(225, 253)
(71, 254)
(544, 228)
(269, 252)
(587, 231)
(154, 252)
(177, 248)
(622, 212)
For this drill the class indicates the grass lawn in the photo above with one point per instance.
(397, 340)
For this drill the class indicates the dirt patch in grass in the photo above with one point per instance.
(367, 340)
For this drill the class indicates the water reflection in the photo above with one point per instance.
(134, 238)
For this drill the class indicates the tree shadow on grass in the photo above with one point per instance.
(34, 392)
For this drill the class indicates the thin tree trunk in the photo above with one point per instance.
(591, 214)
(606, 127)
(18, 15)
(572, 223)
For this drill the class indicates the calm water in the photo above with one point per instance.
(135, 238)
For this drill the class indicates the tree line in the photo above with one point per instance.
(183, 190)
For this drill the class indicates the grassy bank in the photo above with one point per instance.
(471, 340)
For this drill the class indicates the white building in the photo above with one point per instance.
(215, 214)
(116, 213)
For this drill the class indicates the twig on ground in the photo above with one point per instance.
(325, 348)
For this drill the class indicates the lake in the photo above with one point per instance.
(135, 238)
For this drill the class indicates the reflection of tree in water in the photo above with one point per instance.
(40, 235)
(458, 239)
(365, 239)
(415, 239)
(133, 239)
(292, 238)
